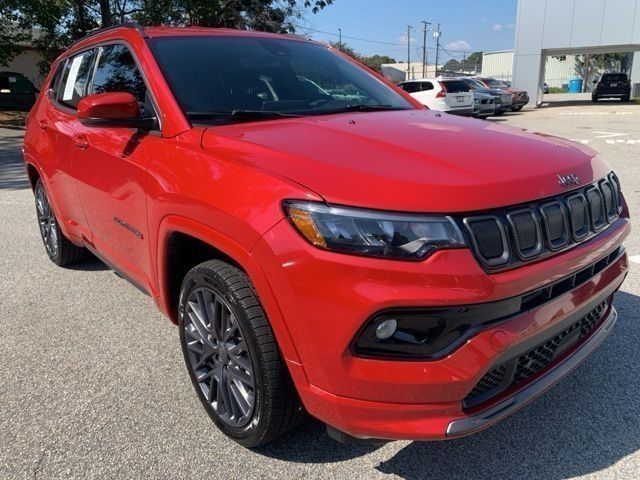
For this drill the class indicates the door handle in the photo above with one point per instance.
(80, 141)
(42, 123)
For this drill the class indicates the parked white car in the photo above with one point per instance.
(449, 95)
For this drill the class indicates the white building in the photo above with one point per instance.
(399, 72)
(546, 28)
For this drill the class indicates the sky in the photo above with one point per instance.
(380, 26)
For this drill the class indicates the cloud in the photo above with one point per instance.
(459, 45)
(498, 27)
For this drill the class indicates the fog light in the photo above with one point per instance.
(386, 329)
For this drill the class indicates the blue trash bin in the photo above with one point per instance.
(575, 85)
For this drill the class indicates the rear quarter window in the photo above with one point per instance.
(73, 81)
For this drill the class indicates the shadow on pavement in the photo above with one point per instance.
(585, 424)
(12, 172)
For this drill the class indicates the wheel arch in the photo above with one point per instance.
(33, 174)
(184, 243)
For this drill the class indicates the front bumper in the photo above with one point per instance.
(481, 109)
(507, 406)
(464, 111)
(326, 297)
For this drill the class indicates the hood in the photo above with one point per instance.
(410, 160)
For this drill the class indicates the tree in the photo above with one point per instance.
(473, 63)
(374, 62)
(12, 39)
(60, 22)
(452, 65)
(590, 66)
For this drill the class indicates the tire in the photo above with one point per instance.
(626, 98)
(59, 248)
(594, 99)
(231, 354)
(499, 113)
(516, 109)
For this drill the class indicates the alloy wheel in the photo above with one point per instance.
(47, 222)
(218, 357)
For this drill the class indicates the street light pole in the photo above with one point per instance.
(436, 34)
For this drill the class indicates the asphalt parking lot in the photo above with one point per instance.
(94, 386)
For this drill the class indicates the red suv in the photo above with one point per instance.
(324, 243)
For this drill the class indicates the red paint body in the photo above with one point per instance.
(113, 105)
(225, 186)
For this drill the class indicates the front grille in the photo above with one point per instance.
(523, 367)
(506, 238)
(490, 381)
(490, 237)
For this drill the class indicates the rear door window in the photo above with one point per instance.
(410, 87)
(426, 86)
(73, 82)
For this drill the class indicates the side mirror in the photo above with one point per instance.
(113, 109)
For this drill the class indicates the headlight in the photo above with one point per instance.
(373, 233)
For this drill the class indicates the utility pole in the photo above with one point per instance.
(424, 48)
(436, 34)
(340, 37)
(408, 51)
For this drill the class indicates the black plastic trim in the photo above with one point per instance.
(506, 254)
(478, 317)
(532, 252)
(506, 407)
(554, 247)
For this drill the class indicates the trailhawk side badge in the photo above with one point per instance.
(568, 180)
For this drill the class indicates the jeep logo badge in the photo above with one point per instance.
(568, 180)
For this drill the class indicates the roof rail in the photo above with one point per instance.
(133, 25)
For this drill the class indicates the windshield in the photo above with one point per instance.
(229, 79)
(473, 83)
(493, 83)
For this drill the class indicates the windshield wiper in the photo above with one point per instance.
(244, 114)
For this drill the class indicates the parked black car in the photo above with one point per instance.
(612, 85)
(501, 98)
(16, 92)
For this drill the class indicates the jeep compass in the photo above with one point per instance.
(326, 245)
